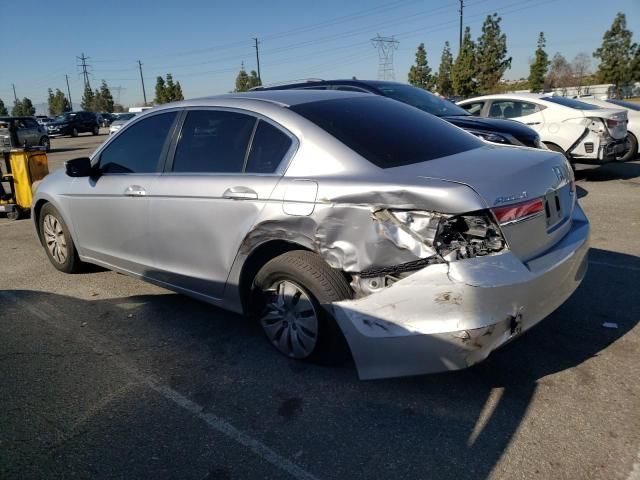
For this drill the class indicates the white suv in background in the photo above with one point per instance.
(584, 133)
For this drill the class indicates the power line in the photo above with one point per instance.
(386, 46)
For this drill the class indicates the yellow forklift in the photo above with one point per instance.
(22, 168)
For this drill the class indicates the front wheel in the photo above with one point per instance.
(57, 240)
(96, 130)
(74, 132)
(294, 291)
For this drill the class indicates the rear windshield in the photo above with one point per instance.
(622, 103)
(419, 98)
(385, 132)
(570, 102)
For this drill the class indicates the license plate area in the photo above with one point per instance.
(552, 208)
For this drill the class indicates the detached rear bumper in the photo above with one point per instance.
(448, 317)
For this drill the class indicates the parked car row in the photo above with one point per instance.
(340, 221)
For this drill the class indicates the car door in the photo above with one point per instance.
(110, 212)
(528, 113)
(33, 129)
(23, 132)
(225, 166)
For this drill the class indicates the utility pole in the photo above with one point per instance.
(144, 93)
(85, 72)
(385, 46)
(257, 58)
(14, 92)
(461, 8)
(69, 91)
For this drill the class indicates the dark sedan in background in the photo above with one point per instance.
(505, 132)
(74, 123)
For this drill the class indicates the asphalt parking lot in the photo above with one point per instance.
(104, 376)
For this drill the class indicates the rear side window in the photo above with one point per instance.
(268, 148)
(511, 109)
(138, 148)
(213, 141)
(385, 132)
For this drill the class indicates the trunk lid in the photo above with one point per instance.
(503, 176)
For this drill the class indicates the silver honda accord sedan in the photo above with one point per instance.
(342, 222)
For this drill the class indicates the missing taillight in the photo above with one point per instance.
(518, 211)
(612, 123)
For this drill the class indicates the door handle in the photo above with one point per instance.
(240, 193)
(533, 123)
(135, 191)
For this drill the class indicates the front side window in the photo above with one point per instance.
(213, 141)
(268, 148)
(385, 132)
(138, 148)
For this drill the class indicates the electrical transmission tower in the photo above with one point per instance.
(85, 70)
(386, 47)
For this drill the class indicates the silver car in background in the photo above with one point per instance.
(329, 216)
(120, 120)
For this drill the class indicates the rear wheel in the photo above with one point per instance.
(74, 132)
(57, 240)
(555, 148)
(633, 148)
(294, 291)
(96, 130)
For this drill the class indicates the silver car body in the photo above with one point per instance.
(197, 234)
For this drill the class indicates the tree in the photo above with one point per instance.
(444, 84)
(560, 74)
(635, 65)
(104, 99)
(491, 54)
(463, 73)
(3, 108)
(616, 54)
(254, 81)
(118, 108)
(22, 108)
(580, 67)
(242, 80)
(167, 91)
(58, 102)
(88, 99)
(539, 66)
(420, 73)
(161, 91)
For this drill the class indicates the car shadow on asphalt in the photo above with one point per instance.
(67, 149)
(447, 426)
(610, 171)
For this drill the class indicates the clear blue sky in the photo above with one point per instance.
(203, 42)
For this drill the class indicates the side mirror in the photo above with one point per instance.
(79, 167)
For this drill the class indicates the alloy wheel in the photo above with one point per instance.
(290, 319)
(54, 239)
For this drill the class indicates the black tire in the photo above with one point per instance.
(322, 285)
(15, 214)
(45, 142)
(96, 130)
(633, 148)
(71, 262)
(74, 132)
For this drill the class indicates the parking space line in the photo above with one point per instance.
(101, 345)
(613, 265)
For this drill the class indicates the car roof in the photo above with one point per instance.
(284, 98)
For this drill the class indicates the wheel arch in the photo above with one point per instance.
(256, 259)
